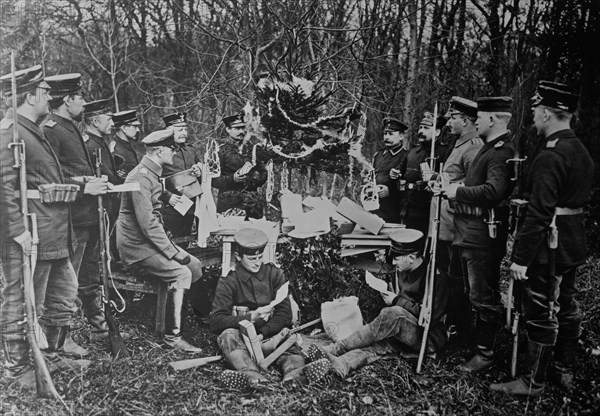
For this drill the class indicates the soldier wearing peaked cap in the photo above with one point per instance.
(239, 179)
(481, 222)
(126, 150)
(54, 279)
(461, 115)
(390, 158)
(77, 167)
(399, 320)
(253, 285)
(550, 243)
(143, 241)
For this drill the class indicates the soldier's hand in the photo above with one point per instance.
(263, 313)
(122, 173)
(518, 272)
(25, 241)
(197, 170)
(395, 174)
(182, 258)
(237, 177)
(383, 191)
(450, 190)
(97, 186)
(174, 200)
(388, 297)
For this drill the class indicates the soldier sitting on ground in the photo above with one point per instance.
(253, 284)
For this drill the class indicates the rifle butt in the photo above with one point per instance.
(43, 380)
(118, 349)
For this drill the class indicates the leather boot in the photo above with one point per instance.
(56, 336)
(561, 373)
(16, 353)
(94, 313)
(173, 320)
(240, 361)
(484, 357)
(73, 349)
(294, 368)
(350, 361)
(532, 382)
(363, 337)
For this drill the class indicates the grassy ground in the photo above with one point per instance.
(146, 385)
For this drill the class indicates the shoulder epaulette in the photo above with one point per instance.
(552, 143)
(499, 144)
(50, 123)
(6, 123)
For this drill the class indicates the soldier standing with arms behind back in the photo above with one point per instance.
(481, 223)
(558, 186)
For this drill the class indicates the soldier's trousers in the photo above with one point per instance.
(549, 305)
(85, 260)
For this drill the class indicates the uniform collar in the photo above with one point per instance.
(505, 137)
(122, 141)
(94, 136)
(465, 137)
(563, 134)
(395, 151)
(152, 165)
(66, 123)
(245, 275)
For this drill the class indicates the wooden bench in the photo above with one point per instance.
(136, 280)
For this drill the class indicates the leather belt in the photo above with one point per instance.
(568, 211)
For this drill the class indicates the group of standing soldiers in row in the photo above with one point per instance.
(477, 180)
(67, 264)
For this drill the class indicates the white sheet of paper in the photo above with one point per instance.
(184, 205)
(282, 293)
(126, 187)
(377, 284)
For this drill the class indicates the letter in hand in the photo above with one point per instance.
(388, 297)
(174, 200)
(518, 272)
(182, 258)
(25, 241)
(264, 313)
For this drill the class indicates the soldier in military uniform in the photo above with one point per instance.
(55, 280)
(461, 116)
(125, 149)
(253, 285)
(557, 187)
(418, 197)
(390, 197)
(481, 223)
(142, 240)
(186, 157)
(239, 179)
(399, 320)
(61, 132)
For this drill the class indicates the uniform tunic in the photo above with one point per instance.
(560, 176)
(383, 161)
(126, 154)
(108, 166)
(243, 288)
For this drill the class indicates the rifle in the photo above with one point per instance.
(43, 381)
(427, 305)
(432, 154)
(117, 345)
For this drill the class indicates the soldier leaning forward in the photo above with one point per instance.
(481, 223)
(55, 281)
(550, 244)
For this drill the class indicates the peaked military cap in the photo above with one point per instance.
(555, 95)
(428, 120)
(495, 104)
(160, 138)
(391, 123)
(406, 241)
(250, 241)
(236, 120)
(460, 105)
(96, 108)
(64, 84)
(125, 117)
(26, 79)
(175, 119)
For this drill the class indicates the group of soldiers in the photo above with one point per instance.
(475, 180)
(65, 232)
(470, 172)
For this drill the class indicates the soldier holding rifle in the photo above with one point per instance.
(551, 242)
(481, 223)
(54, 278)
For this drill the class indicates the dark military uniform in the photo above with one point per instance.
(234, 194)
(487, 186)
(126, 154)
(185, 157)
(383, 161)
(70, 148)
(560, 177)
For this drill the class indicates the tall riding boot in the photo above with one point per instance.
(351, 360)
(246, 372)
(16, 352)
(294, 368)
(173, 320)
(564, 361)
(94, 313)
(71, 348)
(532, 382)
(485, 333)
(363, 337)
(56, 336)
